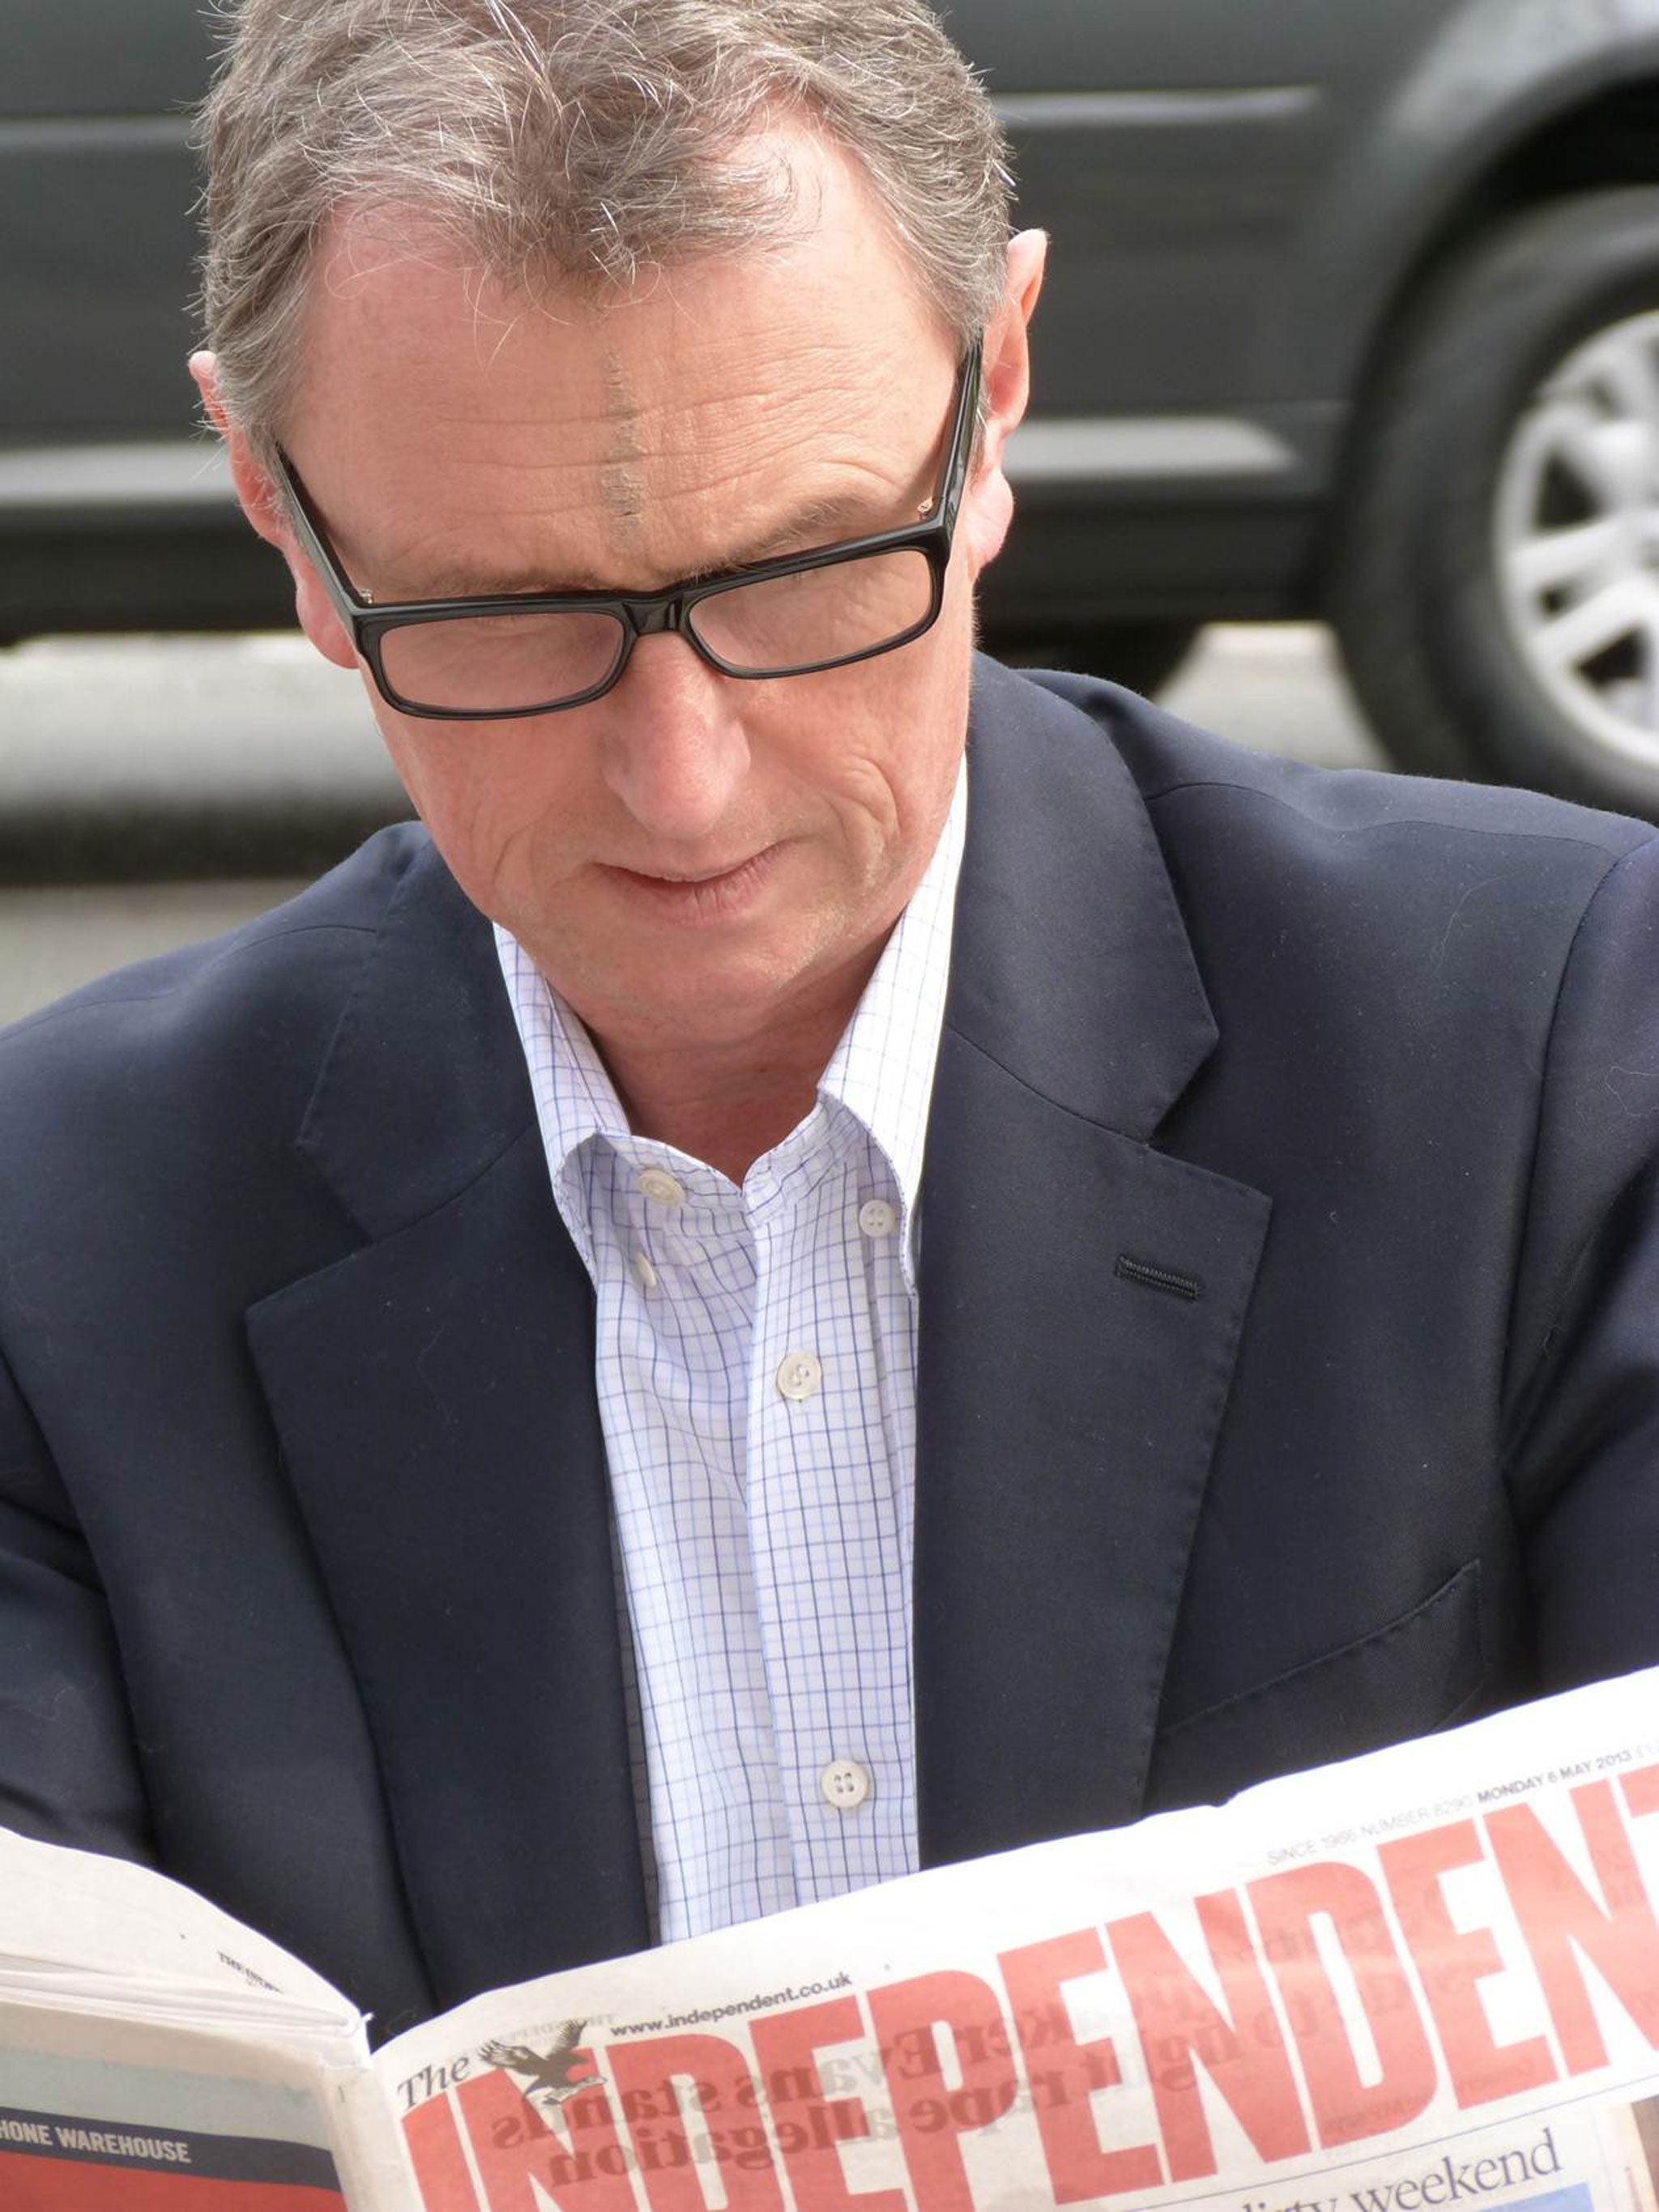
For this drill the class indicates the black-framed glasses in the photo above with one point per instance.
(496, 659)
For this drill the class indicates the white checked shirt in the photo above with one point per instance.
(755, 1375)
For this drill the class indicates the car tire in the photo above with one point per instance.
(1144, 655)
(1457, 499)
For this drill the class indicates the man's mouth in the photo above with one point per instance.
(701, 876)
(706, 893)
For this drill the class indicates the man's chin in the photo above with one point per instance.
(707, 989)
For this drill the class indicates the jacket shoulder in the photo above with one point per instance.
(152, 1075)
(1291, 801)
(276, 978)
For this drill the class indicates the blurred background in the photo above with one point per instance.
(1345, 440)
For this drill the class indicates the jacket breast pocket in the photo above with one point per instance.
(1416, 1674)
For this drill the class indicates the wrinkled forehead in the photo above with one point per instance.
(624, 432)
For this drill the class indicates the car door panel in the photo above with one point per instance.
(97, 229)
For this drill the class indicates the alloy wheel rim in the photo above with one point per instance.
(1577, 538)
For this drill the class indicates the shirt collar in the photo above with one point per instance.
(576, 1098)
(881, 1072)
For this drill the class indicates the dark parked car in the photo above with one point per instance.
(1354, 312)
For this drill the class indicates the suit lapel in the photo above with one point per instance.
(1082, 1297)
(433, 1396)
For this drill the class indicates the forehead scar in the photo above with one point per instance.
(622, 480)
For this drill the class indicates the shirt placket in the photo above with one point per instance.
(823, 1524)
(685, 1281)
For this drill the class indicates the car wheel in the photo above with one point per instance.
(1144, 655)
(1496, 580)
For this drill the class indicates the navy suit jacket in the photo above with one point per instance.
(1289, 1375)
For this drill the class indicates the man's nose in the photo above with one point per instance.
(676, 753)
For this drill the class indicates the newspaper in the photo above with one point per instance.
(1425, 1978)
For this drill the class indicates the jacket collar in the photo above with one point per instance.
(1072, 966)
(422, 1087)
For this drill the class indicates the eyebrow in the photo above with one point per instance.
(819, 522)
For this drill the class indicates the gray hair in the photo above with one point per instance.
(575, 140)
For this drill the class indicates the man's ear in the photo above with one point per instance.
(262, 504)
(1007, 388)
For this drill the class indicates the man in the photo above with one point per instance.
(472, 1391)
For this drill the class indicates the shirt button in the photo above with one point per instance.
(644, 1273)
(876, 1218)
(661, 1187)
(800, 1376)
(845, 1784)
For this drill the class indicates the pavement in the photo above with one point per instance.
(1276, 688)
(155, 791)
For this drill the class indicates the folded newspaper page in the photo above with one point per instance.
(157, 2057)
(1425, 1978)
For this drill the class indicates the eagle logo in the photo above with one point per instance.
(551, 2075)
